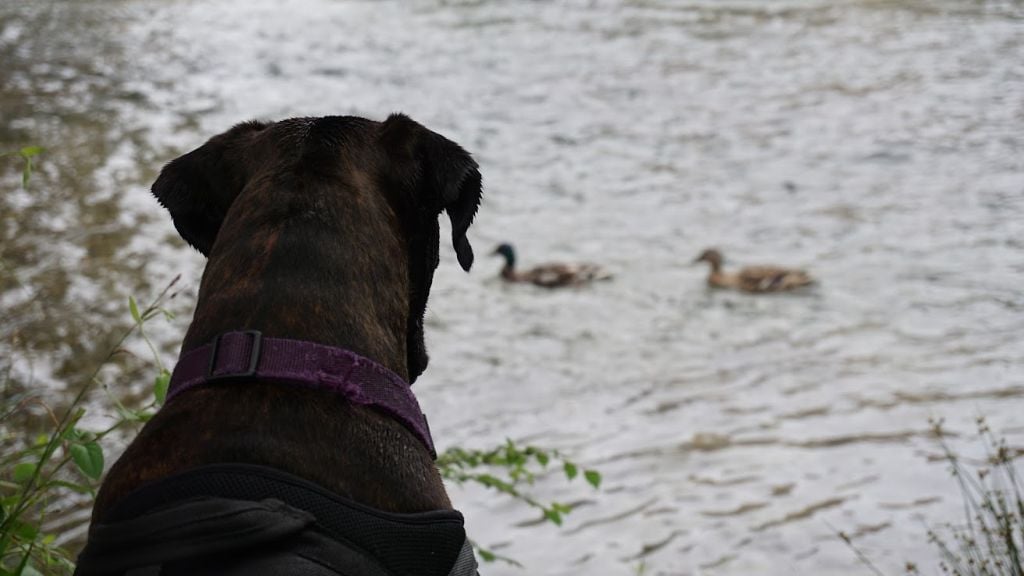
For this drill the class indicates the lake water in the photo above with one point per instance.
(877, 143)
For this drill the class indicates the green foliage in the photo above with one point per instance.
(570, 470)
(509, 469)
(23, 472)
(160, 385)
(134, 309)
(26, 154)
(36, 475)
(89, 459)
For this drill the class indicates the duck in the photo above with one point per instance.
(553, 275)
(753, 279)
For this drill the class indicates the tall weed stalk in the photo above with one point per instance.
(990, 542)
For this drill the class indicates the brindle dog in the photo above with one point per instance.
(316, 229)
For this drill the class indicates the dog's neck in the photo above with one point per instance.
(306, 280)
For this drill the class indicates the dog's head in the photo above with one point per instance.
(363, 165)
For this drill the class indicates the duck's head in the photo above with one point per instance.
(711, 256)
(507, 251)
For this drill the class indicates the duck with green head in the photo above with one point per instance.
(552, 275)
(753, 279)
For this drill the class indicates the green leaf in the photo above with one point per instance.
(89, 459)
(494, 482)
(134, 310)
(486, 555)
(78, 414)
(570, 470)
(126, 414)
(24, 472)
(543, 458)
(160, 384)
(30, 151)
(26, 174)
(554, 516)
(593, 477)
(561, 508)
(25, 530)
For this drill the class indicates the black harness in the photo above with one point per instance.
(240, 519)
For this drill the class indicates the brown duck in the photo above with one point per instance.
(554, 275)
(753, 279)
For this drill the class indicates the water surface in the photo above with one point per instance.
(876, 143)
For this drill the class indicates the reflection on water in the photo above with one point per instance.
(67, 262)
(878, 144)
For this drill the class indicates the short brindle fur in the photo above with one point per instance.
(318, 229)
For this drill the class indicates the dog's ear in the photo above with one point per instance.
(434, 174)
(443, 175)
(198, 188)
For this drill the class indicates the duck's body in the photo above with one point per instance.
(754, 279)
(553, 275)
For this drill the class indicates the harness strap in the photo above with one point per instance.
(195, 528)
(248, 355)
(243, 519)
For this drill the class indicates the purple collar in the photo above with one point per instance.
(250, 356)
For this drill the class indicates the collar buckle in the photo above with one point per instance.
(253, 360)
